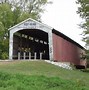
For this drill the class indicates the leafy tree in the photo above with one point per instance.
(13, 12)
(6, 20)
(29, 8)
(83, 10)
(6, 16)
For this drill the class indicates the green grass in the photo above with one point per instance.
(24, 82)
(39, 75)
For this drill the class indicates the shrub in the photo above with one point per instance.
(4, 55)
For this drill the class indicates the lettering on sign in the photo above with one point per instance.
(30, 24)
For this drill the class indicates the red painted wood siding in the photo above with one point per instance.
(65, 51)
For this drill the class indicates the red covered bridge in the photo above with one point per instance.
(31, 39)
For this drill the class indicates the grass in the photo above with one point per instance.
(24, 82)
(39, 75)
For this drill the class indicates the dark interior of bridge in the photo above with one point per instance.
(34, 41)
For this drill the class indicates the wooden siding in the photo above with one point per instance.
(65, 51)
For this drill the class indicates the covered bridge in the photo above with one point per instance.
(31, 39)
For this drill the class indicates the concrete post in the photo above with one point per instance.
(29, 55)
(24, 56)
(18, 55)
(40, 56)
(35, 55)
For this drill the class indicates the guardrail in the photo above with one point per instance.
(28, 56)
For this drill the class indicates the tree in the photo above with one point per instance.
(6, 20)
(30, 8)
(15, 11)
(83, 11)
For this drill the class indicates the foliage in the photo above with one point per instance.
(31, 8)
(4, 55)
(15, 11)
(33, 78)
(83, 11)
(4, 49)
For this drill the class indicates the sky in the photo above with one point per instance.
(62, 16)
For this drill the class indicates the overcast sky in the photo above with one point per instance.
(62, 16)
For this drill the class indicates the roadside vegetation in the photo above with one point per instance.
(40, 75)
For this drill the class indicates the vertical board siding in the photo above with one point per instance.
(65, 51)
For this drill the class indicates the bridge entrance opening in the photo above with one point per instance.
(30, 44)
